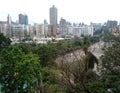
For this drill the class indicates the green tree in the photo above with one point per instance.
(4, 41)
(19, 71)
(86, 40)
(46, 53)
(78, 42)
(26, 48)
(110, 72)
(51, 79)
(95, 39)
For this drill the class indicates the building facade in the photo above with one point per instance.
(20, 31)
(23, 19)
(40, 30)
(96, 26)
(111, 23)
(83, 30)
(3, 27)
(65, 28)
(52, 30)
(53, 15)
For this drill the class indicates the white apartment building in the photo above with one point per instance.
(20, 31)
(79, 31)
(65, 30)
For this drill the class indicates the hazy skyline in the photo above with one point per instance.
(71, 10)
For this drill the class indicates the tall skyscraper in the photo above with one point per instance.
(53, 15)
(23, 19)
(9, 20)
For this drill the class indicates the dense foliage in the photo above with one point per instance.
(4, 41)
(18, 71)
(111, 68)
(31, 68)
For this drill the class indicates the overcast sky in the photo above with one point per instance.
(72, 10)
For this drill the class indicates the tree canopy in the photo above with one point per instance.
(19, 71)
(30, 68)
(4, 41)
(111, 68)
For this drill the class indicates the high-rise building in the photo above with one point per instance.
(63, 22)
(53, 15)
(9, 20)
(111, 23)
(63, 27)
(23, 19)
(39, 28)
(45, 22)
(52, 30)
(26, 19)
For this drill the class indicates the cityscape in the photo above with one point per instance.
(21, 29)
(59, 56)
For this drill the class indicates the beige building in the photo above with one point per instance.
(40, 30)
(52, 30)
(31, 31)
(3, 29)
